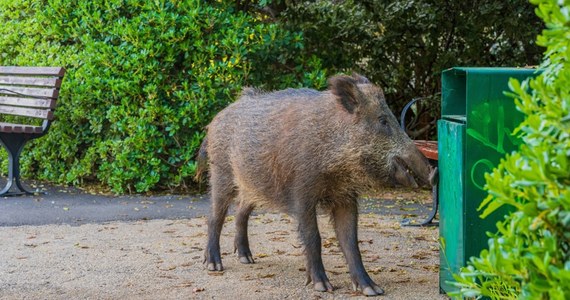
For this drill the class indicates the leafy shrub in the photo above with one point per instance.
(529, 257)
(404, 45)
(143, 79)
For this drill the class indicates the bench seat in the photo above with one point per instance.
(428, 148)
(20, 128)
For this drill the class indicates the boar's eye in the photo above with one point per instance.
(384, 127)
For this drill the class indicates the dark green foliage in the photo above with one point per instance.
(144, 78)
(404, 45)
(529, 258)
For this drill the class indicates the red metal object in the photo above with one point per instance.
(428, 148)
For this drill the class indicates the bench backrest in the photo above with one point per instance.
(30, 91)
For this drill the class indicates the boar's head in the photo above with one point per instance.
(386, 155)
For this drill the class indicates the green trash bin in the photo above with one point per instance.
(474, 133)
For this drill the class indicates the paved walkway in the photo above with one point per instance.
(68, 205)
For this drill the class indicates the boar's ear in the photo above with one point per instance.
(360, 79)
(346, 91)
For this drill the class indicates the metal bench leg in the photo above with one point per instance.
(435, 197)
(14, 143)
(435, 205)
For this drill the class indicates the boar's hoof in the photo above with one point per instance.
(323, 286)
(246, 259)
(372, 290)
(215, 267)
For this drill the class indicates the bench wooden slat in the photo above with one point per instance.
(38, 92)
(37, 81)
(18, 128)
(46, 71)
(428, 148)
(27, 112)
(28, 102)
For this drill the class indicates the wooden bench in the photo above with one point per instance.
(28, 96)
(430, 150)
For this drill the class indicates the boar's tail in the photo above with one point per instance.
(202, 161)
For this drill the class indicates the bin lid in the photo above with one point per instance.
(455, 118)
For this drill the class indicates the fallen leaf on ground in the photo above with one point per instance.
(431, 268)
(185, 284)
(420, 255)
(169, 268)
(278, 232)
(216, 273)
(372, 258)
(328, 243)
(265, 275)
(81, 246)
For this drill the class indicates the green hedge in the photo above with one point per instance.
(143, 80)
(529, 257)
(145, 77)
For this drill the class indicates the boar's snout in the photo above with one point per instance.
(412, 170)
(402, 173)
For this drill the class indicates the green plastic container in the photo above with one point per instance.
(474, 133)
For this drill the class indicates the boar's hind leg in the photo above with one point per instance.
(222, 194)
(311, 238)
(345, 217)
(241, 242)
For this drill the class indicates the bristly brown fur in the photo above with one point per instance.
(298, 149)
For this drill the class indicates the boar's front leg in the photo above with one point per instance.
(311, 238)
(345, 218)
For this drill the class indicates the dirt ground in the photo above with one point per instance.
(162, 259)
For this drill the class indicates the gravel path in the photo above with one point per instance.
(137, 247)
(162, 259)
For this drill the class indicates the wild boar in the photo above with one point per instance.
(299, 149)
